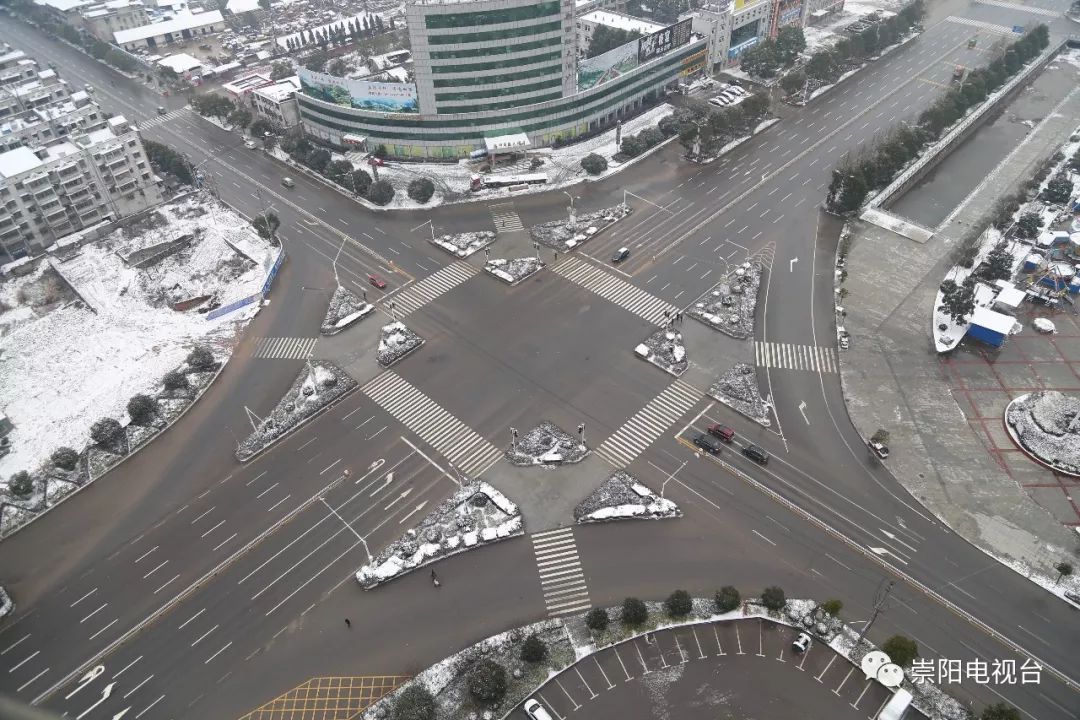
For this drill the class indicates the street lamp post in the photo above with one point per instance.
(393, 314)
(570, 210)
(581, 432)
(513, 440)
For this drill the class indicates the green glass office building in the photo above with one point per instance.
(490, 68)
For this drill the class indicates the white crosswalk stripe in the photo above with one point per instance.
(284, 348)
(458, 443)
(159, 119)
(561, 579)
(796, 357)
(615, 289)
(1020, 7)
(649, 423)
(421, 293)
(989, 27)
(505, 217)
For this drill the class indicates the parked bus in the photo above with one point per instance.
(480, 182)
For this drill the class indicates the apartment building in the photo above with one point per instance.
(52, 191)
(104, 19)
(587, 23)
(277, 102)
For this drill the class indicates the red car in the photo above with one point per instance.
(377, 281)
(721, 431)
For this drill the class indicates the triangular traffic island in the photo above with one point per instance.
(462, 245)
(477, 514)
(564, 235)
(546, 444)
(622, 497)
(738, 389)
(395, 342)
(318, 386)
(513, 271)
(345, 308)
(729, 307)
(665, 349)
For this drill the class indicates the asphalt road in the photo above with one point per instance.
(495, 359)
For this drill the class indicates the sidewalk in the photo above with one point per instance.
(892, 377)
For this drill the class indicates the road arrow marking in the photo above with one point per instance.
(121, 714)
(86, 679)
(402, 496)
(876, 551)
(802, 409)
(415, 510)
(791, 265)
(389, 479)
(104, 696)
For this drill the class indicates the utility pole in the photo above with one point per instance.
(881, 597)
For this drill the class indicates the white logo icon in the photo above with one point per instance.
(878, 665)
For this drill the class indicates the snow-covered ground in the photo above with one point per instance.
(664, 348)
(546, 444)
(62, 370)
(395, 342)
(1046, 423)
(738, 389)
(344, 309)
(515, 270)
(462, 245)
(622, 497)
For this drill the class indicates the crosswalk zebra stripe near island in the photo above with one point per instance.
(284, 348)
(561, 578)
(159, 119)
(456, 441)
(505, 218)
(625, 295)
(989, 27)
(649, 423)
(421, 293)
(787, 356)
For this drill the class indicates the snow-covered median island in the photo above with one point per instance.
(565, 235)
(622, 497)
(318, 386)
(738, 389)
(513, 271)
(395, 342)
(664, 349)
(1046, 424)
(729, 307)
(477, 514)
(462, 245)
(345, 308)
(546, 444)
(132, 310)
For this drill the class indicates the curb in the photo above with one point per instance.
(300, 424)
(399, 358)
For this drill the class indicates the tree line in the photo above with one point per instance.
(341, 33)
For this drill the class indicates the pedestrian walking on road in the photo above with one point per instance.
(348, 623)
(434, 578)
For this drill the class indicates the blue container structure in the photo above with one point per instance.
(990, 327)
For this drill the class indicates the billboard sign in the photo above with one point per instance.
(734, 52)
(360, 94)
(607, 66)
(662, 41)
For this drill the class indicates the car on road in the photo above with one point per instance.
(536, 711)
(620, 255)
(707, 444)
(249, 144)
(377, 281)
(719, 101)
(88, 87)
(161, 110)
(756, 454)
(723, 432)
(802, 643)
(287, 182)
(1073, 597)
(879, 449)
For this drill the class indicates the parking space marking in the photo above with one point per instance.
(719, 647)
(544, 699)
(582, 678)
(831, 661)
(601, 669)
(619, 657)
(739, 639)
(701, 653)
(568, 697)
(841, 685)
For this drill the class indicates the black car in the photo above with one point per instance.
(707, 444)
(620, 255)
(756, 454)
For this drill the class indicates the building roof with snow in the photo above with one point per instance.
(239, 6)
(63, 5)
(621, 22)
(17, 161)
(181, 63)
(280, 91)
(247, 83)
(993, 320)
(1010, 295)
(177, 25)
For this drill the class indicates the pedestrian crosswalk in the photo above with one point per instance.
(796, 357)
(1020, 7)
(284, 348)
(561, 579)
(642, 430)
(505, 217)
(615, 289)
(466, 451)
(989, 27)
(159, 119)
(421, 293)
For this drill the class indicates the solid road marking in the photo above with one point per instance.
(328, 698)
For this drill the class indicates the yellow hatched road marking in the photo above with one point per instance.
(328, 698)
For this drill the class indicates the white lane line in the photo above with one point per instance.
(77, 602)
(191, 618)
(213, 528)
(26, 660)
(763, 538)
(146, 553)
(93, 613)
(31, 680)
(132, 690)
(328, 467)
(104, 628)
(218, 546)
(203, 636)
(174, 578)
(124, 669)
(143, 711)
(155, 569)
(14, 644)
(207, 661)
(259, 496)
(272, 507)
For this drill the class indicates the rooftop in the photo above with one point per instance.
(17, 161)
(176, 25)
(180, 62)
(63, 5)
(622, 22)
(280, 91)
(992, 320)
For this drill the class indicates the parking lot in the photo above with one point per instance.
(736, 668)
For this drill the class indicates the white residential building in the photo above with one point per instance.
(586, 25)
(277, 102)
(105, 19)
